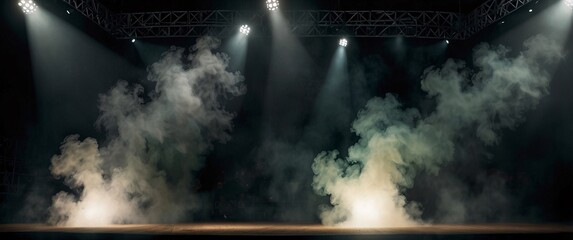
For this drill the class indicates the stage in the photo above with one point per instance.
(283, 231)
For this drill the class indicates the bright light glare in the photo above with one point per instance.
(569, 3)
(343, 42)
(448, 41)
(530, 10)
(245, 29)
(273, 5)
(68, 11)
(133, 40)
(28, 6)
(365, 213)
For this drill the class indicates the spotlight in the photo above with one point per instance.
(245, 29)
(447, 41)
(273, 5)
(68, 11)
(28, 6)
(569, 3)
(530, 10)
(343, 42)
(133, 40)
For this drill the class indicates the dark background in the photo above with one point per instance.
(42, 105)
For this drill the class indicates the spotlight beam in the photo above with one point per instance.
(236, 47)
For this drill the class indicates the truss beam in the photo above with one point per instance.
(305, 23)
(96, 12)
(489, 13)
(302, 23)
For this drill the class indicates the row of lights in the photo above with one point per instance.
(28, 6)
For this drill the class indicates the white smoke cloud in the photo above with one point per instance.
(143, 171)
(365, 188)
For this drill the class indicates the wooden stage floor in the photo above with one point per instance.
(284, 231)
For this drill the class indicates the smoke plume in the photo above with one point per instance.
(143, 172)
(366, 188)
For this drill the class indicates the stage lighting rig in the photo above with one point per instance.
(343, 42)
(28, 6)
(245, 29)
(272, 5)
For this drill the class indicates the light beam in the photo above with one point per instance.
(236, 47)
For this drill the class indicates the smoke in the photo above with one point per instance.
(143, 172)
(366, 188)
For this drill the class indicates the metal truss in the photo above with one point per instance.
(184, 23)
(374, 23)
(96, 12)
(302, 23)
(306, 23)
(490, 12)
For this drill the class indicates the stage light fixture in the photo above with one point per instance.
(531, 10)
(133, 40)
(447, 41)
(28, 6)
(569, 3)
(272, 5)
(343, 42)
(245, 29)
(68, 11)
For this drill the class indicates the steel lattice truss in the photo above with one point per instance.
(97, 12)
(302, 23)
(490, 12)
(306, 23)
